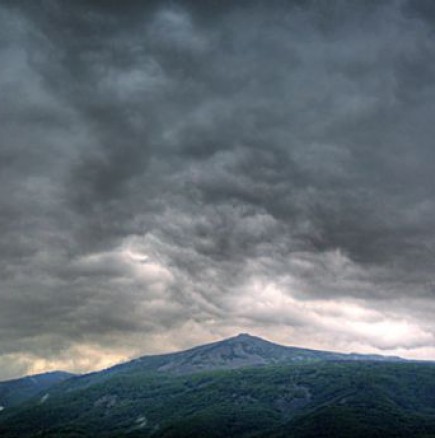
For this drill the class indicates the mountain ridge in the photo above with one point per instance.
(228, 353)
(242, 350)
(240, 387)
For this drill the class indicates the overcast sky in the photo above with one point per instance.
(172, 173)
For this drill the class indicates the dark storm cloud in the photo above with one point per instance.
(158, 157)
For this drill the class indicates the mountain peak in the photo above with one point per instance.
(239, 351)
(244, 337)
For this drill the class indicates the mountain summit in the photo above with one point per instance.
(311, 393)
(243, 350)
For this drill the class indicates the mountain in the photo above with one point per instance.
(240, 351)
(14, 392)
(242, 387)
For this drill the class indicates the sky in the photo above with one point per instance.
(176, 172)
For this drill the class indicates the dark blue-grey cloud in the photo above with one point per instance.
(164, 164)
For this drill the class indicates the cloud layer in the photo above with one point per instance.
(171, 173)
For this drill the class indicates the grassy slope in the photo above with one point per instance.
(300, 400)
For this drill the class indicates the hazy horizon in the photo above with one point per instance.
(177, 172)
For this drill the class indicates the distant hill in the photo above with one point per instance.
(240, 387)
(14, 392)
